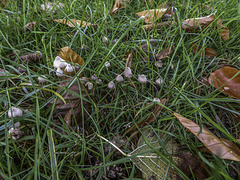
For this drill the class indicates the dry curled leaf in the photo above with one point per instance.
(78, 23)
(150, 118)
(222, 80)
(197, 24)
(165, 53)
(29, 26)
(72, 109)
(69, 55)
(34, 57)
(208, 52)
(152, 15)
(221, 148)
(118, 5)
(150, 27)
(224, 32)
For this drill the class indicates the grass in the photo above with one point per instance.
(45, 153)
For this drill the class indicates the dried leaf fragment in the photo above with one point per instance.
(197, 24)
(118, 5)
(165, 53)
(78, 23)
(224, 32)
(222, 80)
(150, 27)
(29, 26)
(34, 57)
(16, 133)
(213, 143)
(208, 52)
(152, 15)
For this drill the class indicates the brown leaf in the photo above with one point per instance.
(150, 27)
(76, 22)
(69, 55)
(4, 3)
(197, 24)
(152, 14)
(72, 107)
(118, 5)
(221, 79)
(224, 32)
(213, 143)
(208, 52)
(150, 118)
(29, 26)
(165, 53)
(34, 57)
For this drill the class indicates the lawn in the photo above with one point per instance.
(129, 101)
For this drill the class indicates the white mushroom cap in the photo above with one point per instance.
(156, 100)
(142, 78)
(59, 62)
(159, 81)
(69, 68)
(94, 77)
(15, 112)
(42, 79)
(119, 78)
(111, 85)
(89, 85)
(104, 39)
(107, 64)
(128, 72)
(59, 72)
(16, 133)
(99, 81)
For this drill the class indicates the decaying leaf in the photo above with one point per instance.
(150, 27)
(165, 53)
(222, 80)
(15, 133)
(197, 24)
(72, 109)
(118, 5)
(34, 57)
(155, 167)
(208, 52)
(224, 32)
(150, 118)
(221, 148)
(69, 55)
(29, 26)
(152, 14)
(78, 23)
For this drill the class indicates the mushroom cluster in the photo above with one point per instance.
(62, 66)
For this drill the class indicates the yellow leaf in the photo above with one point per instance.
(220, 147)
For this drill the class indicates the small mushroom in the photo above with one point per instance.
(94, 77)
(104, 39)
(111, 85)
(42, 79)
(159, 81)
(128, 72)
(156, 100)
(142, 78)
(119, 78)
(159, 64)
(59, 72)
(89, 85)
(99, 81)
(69, 68)
(16, 133)
(15, 112)
(107, 64)
(59, 62)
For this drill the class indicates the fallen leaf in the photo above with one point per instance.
(118, 5)
(197, 24)
(154, 166)
(69, 55)
(72, 108)
(29, 26)
(152, 15)
(224, 32)
(34, 57)
(221, 148)
(165, 53)
(222, 80)
(208, 52)
(150, 118)
(76, 22)
(150, 27)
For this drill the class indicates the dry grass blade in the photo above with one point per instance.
(197, 24)
(118, 5)
(222, 80)
(221, 148)
(76, 22)
(208, 52)
(150, 118)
